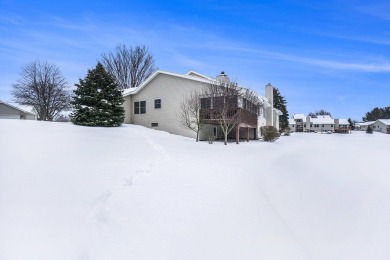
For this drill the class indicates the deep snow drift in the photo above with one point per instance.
(70, 192)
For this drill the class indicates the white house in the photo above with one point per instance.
(297, 123)
(16, 111)
(321, 123)
(363, 126)
(382, 126)
(156, 104)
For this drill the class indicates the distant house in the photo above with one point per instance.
(321, 123)
(297, 123)
(382, 126)
(341, 126)
(16, 111)
(363, 126)
(156, 104)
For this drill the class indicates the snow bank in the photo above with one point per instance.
(70, 192)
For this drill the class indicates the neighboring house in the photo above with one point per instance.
(363, 126)
(382, 125)
(156, 104)
(322, 123)
(341, 126)
(16, 111)
(297, 123)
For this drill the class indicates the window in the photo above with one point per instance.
(143, 107)
(205, 103)
(331, 125)
(157, 103)
(215, 131)
(154, 124)
(140, 107)
(136, 107)
(323, 125)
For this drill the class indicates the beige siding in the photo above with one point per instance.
(379, 126)
(7, 110)
(171, 90)
(128, 109)
(30, 117)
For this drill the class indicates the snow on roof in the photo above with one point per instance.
(24, 108)
(196, 74)
(300, 116)
(291, 121)
(343, 121)
(191, 75)
(278, 112)
(322, 120)
(128, 92)
(367, 123)
(385, 121)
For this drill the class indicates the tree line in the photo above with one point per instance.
(43, 86)
(377, 113)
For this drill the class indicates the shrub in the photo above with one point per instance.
(287, 131)
(369, 130)
(270, 133)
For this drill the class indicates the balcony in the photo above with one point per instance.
(238, 116)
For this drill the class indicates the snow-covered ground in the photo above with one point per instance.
(70, 192)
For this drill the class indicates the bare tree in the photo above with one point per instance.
(189, 115)
(129, 66)
(224, 104)
(228, 105)
(41, 85)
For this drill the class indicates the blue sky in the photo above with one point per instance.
(331, 55)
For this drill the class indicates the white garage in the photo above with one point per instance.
(15, 111)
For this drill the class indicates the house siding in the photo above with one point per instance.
(172, 91)
(379, 126)
(8, 112)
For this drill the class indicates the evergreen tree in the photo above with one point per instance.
(321, 112)
(351, 124)
(281, 104)
(377, 113)
(97, 101)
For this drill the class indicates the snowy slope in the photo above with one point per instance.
(70, 192)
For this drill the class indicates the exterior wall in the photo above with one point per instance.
(299, 125)
(269, 94)
(208, 131)
(30, 117)
(7, 112)
(321, 127)
(171, 90)
(276, 120)
(379, 126)
(364, 127)
(128, 109)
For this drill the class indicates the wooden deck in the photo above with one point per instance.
(342, 130)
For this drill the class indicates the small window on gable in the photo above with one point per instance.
(157, 103)
(154, 124)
